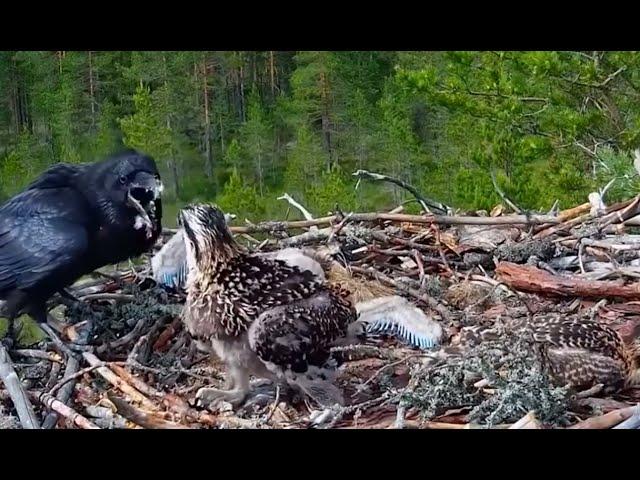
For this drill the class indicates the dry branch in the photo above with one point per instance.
(8, 375)
(275, 226)
(607, 420)
(65, 390)
(117, 382)
(52, 403)
(423, 201)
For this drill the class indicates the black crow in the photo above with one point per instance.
(70, 221)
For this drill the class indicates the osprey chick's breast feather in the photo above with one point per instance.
(260, 315)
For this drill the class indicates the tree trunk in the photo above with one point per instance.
(92, 91)
(272, 72)
(207, 121)
(171, 163)
(326, 117)
(243, 113)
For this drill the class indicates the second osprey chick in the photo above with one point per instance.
(261, 316)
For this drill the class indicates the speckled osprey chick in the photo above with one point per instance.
(261, 316)
(575, 352)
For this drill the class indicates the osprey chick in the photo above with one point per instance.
(577, 353)
(261, 316)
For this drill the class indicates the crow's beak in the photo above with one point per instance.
(142, 193)
(146, 187)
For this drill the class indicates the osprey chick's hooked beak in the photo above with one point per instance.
(141, 196)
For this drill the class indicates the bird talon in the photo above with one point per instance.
(8, 342)
(207, 397)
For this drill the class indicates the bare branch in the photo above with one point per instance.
(424, 202)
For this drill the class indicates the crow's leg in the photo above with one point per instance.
(64, 293)
(12, 334)
(39, 314)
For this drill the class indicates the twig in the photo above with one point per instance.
(27, 416)
(39, 354)
(118, 297)
(57, 406)
(74, 376)
(65, 392)
(167, 334)
(105, 417)
(274, 406)
(631, 423)
(117, 382)
(528, 422)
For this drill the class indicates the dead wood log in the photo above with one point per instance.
(607, 420)
(531, 279)
(52, 403)
(9, 377)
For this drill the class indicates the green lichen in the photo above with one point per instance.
(516, 378)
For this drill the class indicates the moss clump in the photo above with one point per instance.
(115, 320)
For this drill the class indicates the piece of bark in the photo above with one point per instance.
(160, 345)
(142, 418)
(19, 397)
(531, 279)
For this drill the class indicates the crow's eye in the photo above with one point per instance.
(123, 179)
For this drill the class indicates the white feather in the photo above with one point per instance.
(396, 315)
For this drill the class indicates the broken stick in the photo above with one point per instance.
(9, 377)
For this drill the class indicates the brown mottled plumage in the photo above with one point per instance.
(575, 352)
(261, 316)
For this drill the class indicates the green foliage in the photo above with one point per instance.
(239, 198)
(552, 125)
(144, 129)
(333, 189)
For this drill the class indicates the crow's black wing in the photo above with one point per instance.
(42, 233)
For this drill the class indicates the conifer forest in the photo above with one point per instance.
(320, 239)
